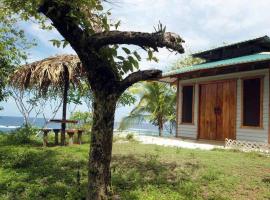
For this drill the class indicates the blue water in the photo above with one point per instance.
(8, 123)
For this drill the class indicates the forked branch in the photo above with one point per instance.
(155, 40)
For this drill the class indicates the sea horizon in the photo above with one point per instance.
(9, 123)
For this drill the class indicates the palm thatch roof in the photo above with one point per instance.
(49, 73)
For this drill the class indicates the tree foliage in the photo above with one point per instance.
(85, 120)
(13, 46)
(91, 18)
(186, 62)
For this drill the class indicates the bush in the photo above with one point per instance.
(130, 137)
(23, 159)
(85, 121)
(21, 135)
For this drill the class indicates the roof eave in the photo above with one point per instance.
(221, 70)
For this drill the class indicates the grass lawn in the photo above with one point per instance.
(139, 172)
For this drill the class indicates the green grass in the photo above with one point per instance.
(139, 172)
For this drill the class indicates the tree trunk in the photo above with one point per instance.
(160, 129)
(99, 176)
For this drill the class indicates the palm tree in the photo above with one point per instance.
(156, 105)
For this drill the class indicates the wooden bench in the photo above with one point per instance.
(45, 135)
(70, 133)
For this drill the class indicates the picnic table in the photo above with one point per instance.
(56, 131)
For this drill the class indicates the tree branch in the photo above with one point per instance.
(60, 15)
(169, 40)
(139, 76)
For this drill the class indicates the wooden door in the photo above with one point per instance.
(207, 114)
(217, 110)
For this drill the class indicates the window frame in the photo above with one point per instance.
(261, 77)
(193, 101)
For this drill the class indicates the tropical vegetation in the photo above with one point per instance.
(85, 120)
(186, 61)
(157, 105)
(13, 46)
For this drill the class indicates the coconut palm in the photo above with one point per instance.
(156, 105)
(55, 74)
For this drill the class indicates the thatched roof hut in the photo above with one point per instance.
(55, 73)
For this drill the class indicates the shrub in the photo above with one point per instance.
(130, 137)
(23, 159)
(85, 120)
(21, 135)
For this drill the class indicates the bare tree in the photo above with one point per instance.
(26, 102)
(31, 104)
(54, 105)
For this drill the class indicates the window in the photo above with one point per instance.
(187, 104)
(252, 102)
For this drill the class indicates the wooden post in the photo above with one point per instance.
(70, 141)
(45, 138)
(56, 132)
(80, 136)
(65, 96)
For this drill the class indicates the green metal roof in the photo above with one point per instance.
(243, 48)
(221, 63)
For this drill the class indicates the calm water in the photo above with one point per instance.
(8, 123)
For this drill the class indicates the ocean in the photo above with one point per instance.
(9, 123)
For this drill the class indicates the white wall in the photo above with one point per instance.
(258, 135)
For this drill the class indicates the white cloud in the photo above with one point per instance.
(203, 24)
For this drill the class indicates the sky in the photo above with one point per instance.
(203, 24)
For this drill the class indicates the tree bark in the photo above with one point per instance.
(160, 131)
(153, 40)
(160, 128)
(99, 175)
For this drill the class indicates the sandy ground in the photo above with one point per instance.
(174, 142)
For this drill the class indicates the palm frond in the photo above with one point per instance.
(130, 120)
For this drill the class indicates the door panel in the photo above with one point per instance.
(218, 111)
(208, 117)
(221, 110)
(226, 118)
